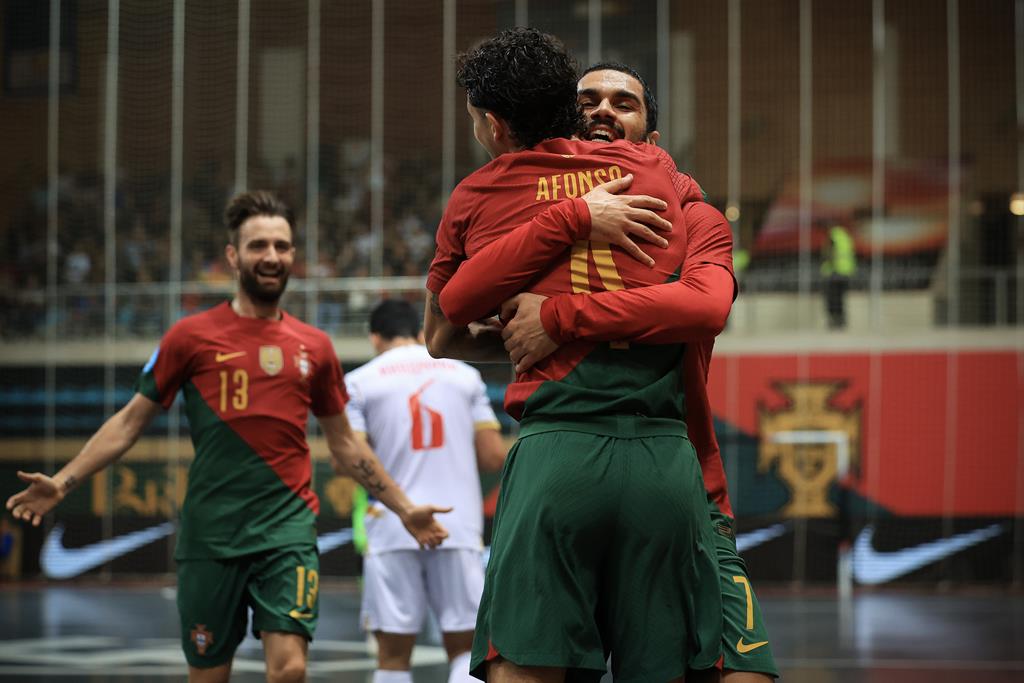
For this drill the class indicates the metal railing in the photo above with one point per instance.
(341, 306)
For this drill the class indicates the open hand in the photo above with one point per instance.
(420, 522)
(42, 495)
(622, 219)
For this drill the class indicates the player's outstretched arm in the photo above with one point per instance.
(109, 443)
(352, 456)
(507, 265)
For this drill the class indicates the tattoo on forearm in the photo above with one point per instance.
(435, 305)
(369, 477)
(70, 482)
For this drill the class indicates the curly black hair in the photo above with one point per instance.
(527, 78)
(650, 101)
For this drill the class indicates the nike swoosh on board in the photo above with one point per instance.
(872, 567)
(325, 543)
(58, 562)
(754, 538)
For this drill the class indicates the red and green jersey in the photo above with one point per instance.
(671, 313)
(582, 378)
(249, 385)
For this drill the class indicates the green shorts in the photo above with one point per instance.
(601, 545)
(280, 586)
(745, 645)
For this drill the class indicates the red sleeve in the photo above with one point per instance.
(169, 366)
(327, 390)
(694, 307)
(450, 250)
(709, 239)
(505, 266)
(686, 188)
(700, 423)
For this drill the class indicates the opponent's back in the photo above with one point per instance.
(420, 415)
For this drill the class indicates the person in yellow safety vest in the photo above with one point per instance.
(837, 267)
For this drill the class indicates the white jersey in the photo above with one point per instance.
(421, 414)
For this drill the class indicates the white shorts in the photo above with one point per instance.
(399, 585)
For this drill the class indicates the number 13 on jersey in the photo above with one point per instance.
(237, 385)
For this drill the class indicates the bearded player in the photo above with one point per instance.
(617, 104)
(602, 492)
(250, 374)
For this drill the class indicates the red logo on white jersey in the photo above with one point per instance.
(436, 423)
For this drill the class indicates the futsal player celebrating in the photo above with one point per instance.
(602, 491)
(250, 373)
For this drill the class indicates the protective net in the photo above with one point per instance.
(865, 154)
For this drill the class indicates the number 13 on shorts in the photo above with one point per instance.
(307, 586)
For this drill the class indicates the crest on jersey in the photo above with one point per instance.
(302, 361)
(271, 359)
(202, 638)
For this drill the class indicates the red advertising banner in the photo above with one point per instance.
(930, 434)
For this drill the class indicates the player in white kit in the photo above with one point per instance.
(431, 424)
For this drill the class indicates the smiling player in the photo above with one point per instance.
(250, 374)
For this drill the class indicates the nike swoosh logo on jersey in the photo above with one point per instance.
(754, 538)
(296, 614)
(221, 357)
(744, 648)
(872, 567)
(60, 562)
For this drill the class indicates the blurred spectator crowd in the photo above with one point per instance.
(347, 245)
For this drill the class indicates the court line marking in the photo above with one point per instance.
(51, 657)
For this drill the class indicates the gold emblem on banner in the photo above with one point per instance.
(811, 443)
(271, 359)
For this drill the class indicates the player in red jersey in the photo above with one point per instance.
(250, 374)
(602, 491)
(618, 105)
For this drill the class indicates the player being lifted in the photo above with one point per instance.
(431, 424)
(250, 373)
(602, 491)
